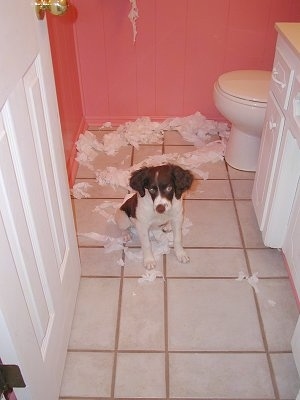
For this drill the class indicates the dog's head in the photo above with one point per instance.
(163, 183)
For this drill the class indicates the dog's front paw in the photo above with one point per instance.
(166, 228)
(182, 256)
(149, 263)
(126, 236)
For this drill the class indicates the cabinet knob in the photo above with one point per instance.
(272, 125)
(274, 78)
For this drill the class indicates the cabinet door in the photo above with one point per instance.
(282, 77)
(283, 190)
(271, 136)
(291, 246)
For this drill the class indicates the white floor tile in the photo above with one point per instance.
(216, 170)
(88, 220)
(280, 319)
(210, 189)
(212, 315)
(287, 377)
(250, 229)
(174, 138)
(214, 224)
(142, 316)
(212, 324)
(267, 262)
(134, 262)
(121, 160)
(140, 375)
(95, 319)
(96, 261)
(222, 376)
(102, 192)
(145, 151)
(242, 189)
(208, 263)
(87, 374)
(238, 174)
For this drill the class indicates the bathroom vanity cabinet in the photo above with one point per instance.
(276, 191)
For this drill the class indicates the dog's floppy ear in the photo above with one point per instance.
(183, 180)
(139, 179)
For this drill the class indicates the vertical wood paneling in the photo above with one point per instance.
(205, 51)
(121, 58)
(247, 34)
(145, 52)
(170, 56)
(89, 34)
(182, 46)
(67, 81)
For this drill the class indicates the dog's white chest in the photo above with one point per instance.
(145, 212)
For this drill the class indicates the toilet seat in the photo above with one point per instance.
(239, 100)
(247, 86)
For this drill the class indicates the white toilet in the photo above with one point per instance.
(241, 97)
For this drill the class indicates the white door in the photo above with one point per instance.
(39, 262)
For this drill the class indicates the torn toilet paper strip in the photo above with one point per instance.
(193, 128)
(150, 276)
(79, 190)
(133, 16)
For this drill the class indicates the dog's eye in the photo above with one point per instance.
(153, 189)
(169, 188)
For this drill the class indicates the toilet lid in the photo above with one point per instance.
(251, 85)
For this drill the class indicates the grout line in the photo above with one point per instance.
(265, 342)
(145, 351)
(117, 335)
(182, 277)
(166, 350)
(167, 370)
(260, 319)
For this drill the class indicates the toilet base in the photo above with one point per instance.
(242, 150)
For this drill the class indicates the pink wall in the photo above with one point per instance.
(67, 83)
(182, 46)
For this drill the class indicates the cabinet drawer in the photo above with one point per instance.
(282, 79)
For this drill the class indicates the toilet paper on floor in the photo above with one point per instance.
(193, 128)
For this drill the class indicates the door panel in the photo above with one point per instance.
(40, 269)
(42, 147)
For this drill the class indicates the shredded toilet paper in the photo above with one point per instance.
(87, 149)
(194, 128)
(133, 16)
(208, 136)
(150, 276)
(79, 190)
(253, 281)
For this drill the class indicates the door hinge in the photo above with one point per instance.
(10, 377)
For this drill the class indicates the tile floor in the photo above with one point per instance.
(198, 334)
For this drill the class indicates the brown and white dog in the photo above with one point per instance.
(157, 203)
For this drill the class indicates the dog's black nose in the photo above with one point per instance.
(160, 208)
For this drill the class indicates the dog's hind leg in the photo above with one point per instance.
(124, 223)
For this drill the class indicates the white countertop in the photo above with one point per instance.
(291, 32)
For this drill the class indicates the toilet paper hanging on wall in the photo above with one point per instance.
(133, 16)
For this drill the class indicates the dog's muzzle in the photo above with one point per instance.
(160, 208)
